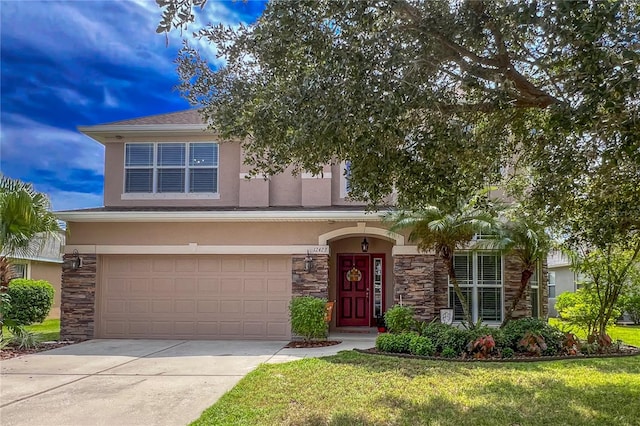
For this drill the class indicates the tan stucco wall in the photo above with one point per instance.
(213, 233)
(280, 190)
(52, 273)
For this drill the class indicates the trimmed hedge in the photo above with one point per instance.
(31, 300)
(307, 317)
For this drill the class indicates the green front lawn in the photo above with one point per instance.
(358, 389)
(46, 331)
(629, 334)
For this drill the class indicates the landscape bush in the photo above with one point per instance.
(307, 317)
(420, 345)
(31, 301)
(446, 336)
(394, 343)
(581, 309)
(631, 305)
(399, 319)
(516, 330)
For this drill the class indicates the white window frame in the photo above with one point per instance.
(27, 268)
(534, 284)
(475, 309)
(186, 195)
(344, 181)
(549, 283)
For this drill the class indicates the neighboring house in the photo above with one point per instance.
(561, 278)
(44, 264)
(186, 246)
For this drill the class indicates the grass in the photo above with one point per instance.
(629, 334)
(359, 389)
(46, 331)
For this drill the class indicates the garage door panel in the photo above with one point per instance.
(185, 306)
(208, 285)
(208, 306)
(279, 286)
(186, 265)
(139, 286)
(231, 265)
(254, 286)
(208, 265)
(205, 297)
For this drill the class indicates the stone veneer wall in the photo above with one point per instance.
(422, 281)
(414, 283)
(77, 302)
(313, 283)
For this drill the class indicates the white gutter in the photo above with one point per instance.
(218, 216)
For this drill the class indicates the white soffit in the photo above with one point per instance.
(217, 216)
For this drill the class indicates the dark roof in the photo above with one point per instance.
(191, 116)
(218, 209)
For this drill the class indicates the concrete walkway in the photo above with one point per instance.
(136, 382)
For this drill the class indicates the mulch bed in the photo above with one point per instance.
(625, 351)
(14, 352)
(312, 344)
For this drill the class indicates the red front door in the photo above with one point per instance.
(353, 293)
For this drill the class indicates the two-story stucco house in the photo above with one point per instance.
(187, 247)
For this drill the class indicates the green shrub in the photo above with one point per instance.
(446, 336)
(394, 343)
(581, 309)
(419, 345)
(307, 317)
(631, 305)
(31, 301)
(449, 353)
(399, 319)
(507, 353)
(516, 330)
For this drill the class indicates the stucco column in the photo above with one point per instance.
(77, 302)
(314, 282)
(414, 283)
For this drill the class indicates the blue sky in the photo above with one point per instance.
(70, 63)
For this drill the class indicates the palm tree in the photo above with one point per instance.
(25, 220)
(447, 231)
(525, 238)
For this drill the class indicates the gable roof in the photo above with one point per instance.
(190, 116)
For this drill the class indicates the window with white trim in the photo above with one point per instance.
(479, 276)
(345, 179)
(534, 286)
(174, 168)
(20, 270)
(551, 275)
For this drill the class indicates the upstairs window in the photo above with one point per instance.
(155, 168)
(345, 179)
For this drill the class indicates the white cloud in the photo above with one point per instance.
(67, 200)
(109, 100)
(47, 147)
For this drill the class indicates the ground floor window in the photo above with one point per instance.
(479, 275)
(20, 270)
(534, 286)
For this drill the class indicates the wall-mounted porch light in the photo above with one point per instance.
(364, 245)
(308, 263)
(76, 261)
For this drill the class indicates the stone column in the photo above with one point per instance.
(544, 290)
(77, 305)
(310, 283)
(414, 283)
(512, 276)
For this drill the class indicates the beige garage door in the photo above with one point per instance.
(194, 297)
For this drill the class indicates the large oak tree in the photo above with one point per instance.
(437, 98)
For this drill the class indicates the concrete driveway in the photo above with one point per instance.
(135, 382)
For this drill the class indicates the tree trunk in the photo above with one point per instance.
(525, 276)
(448, 260)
